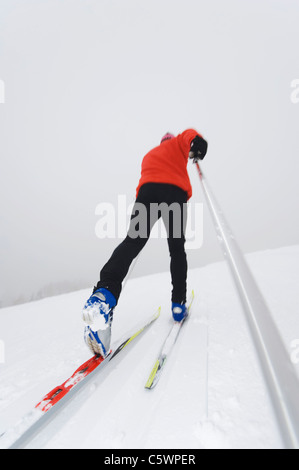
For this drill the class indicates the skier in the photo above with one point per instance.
(164, 183)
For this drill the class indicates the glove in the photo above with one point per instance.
(198, 148)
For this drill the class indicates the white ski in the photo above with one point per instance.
(35, 422)
(166, 349)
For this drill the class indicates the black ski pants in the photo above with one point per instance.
(154, 200)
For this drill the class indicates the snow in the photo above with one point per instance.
(211, 393)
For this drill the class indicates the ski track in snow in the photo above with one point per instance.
(211, 393)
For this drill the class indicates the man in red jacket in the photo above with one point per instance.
(163, 191)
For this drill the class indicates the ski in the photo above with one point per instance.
(46, 410)
(166, 349)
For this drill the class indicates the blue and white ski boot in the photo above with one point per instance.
(179, 311)
(98, 314)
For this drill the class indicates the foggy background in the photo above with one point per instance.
(92, 85)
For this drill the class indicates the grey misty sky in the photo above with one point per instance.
(91, 86)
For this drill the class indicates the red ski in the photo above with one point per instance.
(35, 422)
(59, 392)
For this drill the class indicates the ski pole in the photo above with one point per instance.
(279, 373)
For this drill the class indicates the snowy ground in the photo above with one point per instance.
(211, 394)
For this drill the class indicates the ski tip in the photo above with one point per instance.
(150, 383)
(149, 387)
(157, 314)
(191, 299)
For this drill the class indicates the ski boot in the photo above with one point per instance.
(179, 311)
(98, 314)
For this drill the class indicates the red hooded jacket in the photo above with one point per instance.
(167, 163)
